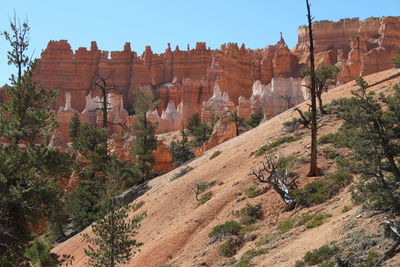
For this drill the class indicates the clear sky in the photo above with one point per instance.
(256, 23)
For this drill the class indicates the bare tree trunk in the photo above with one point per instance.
(313, 164)
(321, 106)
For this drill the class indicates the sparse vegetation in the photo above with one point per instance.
(255, 119)
(180, 150)
(321, 190)
(228, 248)
(215, 154)
(205, 197)
(346, 209)
(202, 187)
(285, 226)
(330, 153)
(331, 138)
(285, 139)
(181, 172)
(317, 220)
(253, 191)
(226, 229)
(247, 229)
(292, 125)
(250, 214)
(252, 253)
(318, 256)
(137, 206)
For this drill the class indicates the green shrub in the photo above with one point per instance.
(181, 172)
(285, 226)
(255, 119)
(291, 126)
(252, 253)
(320, 255)
(328, 264)
(230, 262)
(303, 219)
(331, 138)
(372, 259)
(330, 153)
(250, 214)
(228, 248)
(244, 263)
(318, 220)
(215, 154)
(180, 151)
(202, 186)
(204, 198)
(285, 139)
(226, 229)
(265, 240)
(247, 229)
(346, 209)
(253, 191)
(137, 206)
(321, 190)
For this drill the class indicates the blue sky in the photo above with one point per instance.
(256, 23)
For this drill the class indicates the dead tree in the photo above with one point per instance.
(101, 83)
(275, 174)
(314, 171)
(392, 230)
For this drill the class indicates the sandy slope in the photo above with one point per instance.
(176, 229)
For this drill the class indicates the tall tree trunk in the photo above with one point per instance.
(313, 164)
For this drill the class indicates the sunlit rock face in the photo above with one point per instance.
(357, 47)
(209, 82)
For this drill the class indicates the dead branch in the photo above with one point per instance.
(304, 120)
(273, 174)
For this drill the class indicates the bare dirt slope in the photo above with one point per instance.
(176, 228)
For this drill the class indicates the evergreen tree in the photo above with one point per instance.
(239, 122)
(373, 134)
(255, 119)
(112, 240)
(29, 169)
(180, 150)
(325, 76)
(39, 254)
(74, 126)
(145, 141)
(200, 131)
(83, 204)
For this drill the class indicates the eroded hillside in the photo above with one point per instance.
(176, 229)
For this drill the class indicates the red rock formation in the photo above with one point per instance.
(224, 130)
(358, 47)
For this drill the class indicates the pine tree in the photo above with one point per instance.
(74, 126)
(325, 76)
(39, 254)
(239, 122)
(113, 234)
(199, 130)
(145, 141)
(180, 150)
(83, 204)
(255, 119)
(373, 134)
(29, 169)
